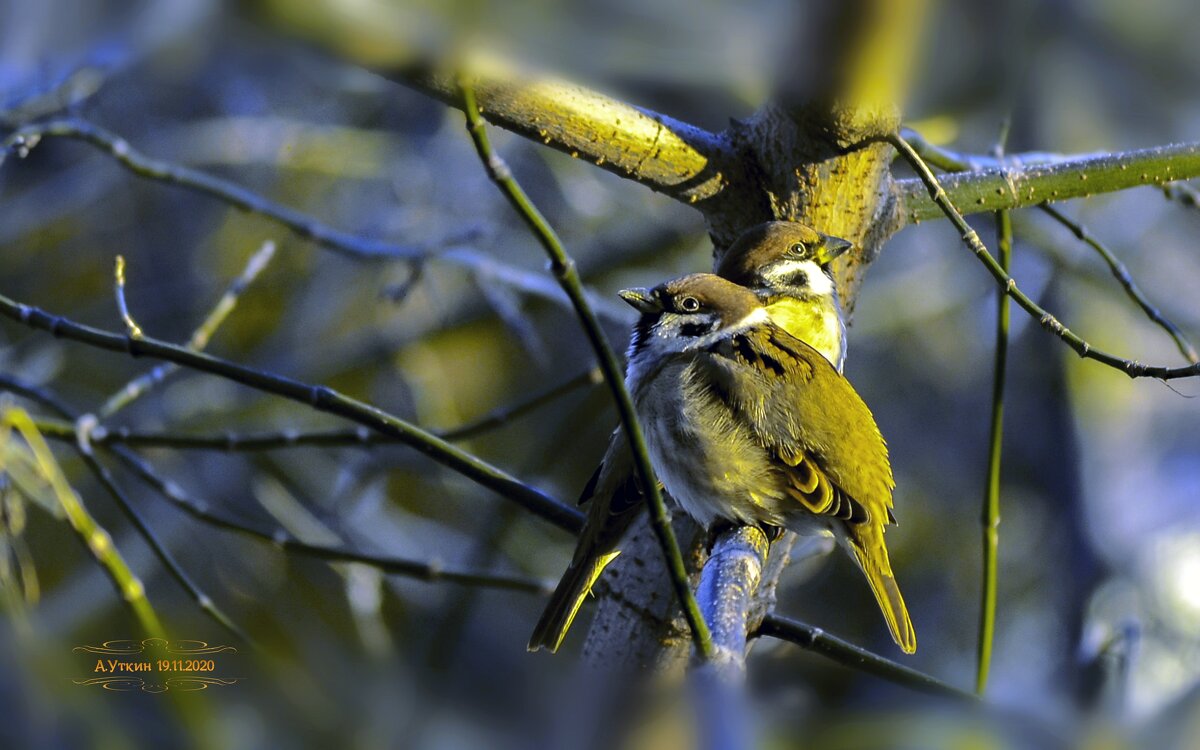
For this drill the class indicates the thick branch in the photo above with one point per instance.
(672, 157)
(999, 189)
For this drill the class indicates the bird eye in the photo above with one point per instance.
(798, 248)
(689, 304)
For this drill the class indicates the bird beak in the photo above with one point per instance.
(830, 248)
(641, 300)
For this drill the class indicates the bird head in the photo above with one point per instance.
(691, 312)
(784, 257)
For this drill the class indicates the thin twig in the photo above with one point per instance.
(93, 536)
(954, 161)
(1182, 193)
(1122, 275)
(564, 270)
(1132, 368)
(990, 517)
(355, 437)
(142, 384)
(321, 398)
(202, 511)
(818, 641)
(84, 448)
(131, 326)
(224, 190)
(431, 571)
(477, 264)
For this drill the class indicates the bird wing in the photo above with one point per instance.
(614, 499)
(810, 419)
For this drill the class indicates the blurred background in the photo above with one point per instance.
(1099, 604)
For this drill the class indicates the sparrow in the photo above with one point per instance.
(787, 266)
(748, 424)
(745, 423)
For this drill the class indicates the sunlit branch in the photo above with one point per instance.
(317, 397)
(954, 161)
(563, 268)
(672, 157)
(1081, 347)
(1008, 187)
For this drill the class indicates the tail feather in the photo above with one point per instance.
(565, 602)
(866, 543)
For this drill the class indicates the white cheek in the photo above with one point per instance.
(818, 282)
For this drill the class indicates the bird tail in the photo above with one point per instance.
(866, 544)
(566, 600)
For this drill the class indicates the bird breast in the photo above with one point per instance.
(708, 460)
(818, 324)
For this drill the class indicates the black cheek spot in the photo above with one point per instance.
(694, 329)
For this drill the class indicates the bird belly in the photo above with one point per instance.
(710, 463)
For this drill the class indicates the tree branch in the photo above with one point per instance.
(355, 437)
(564, 269)
(94, 538)
(990, 516)
(353, 246)
(683, 161)
(142, 384)
(80, 442)
(1010, 187)
(224, 190)
(202, 511)
(1122, 275)
(939, 196)
(845, 653)
(320, 398)
(954, 161)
